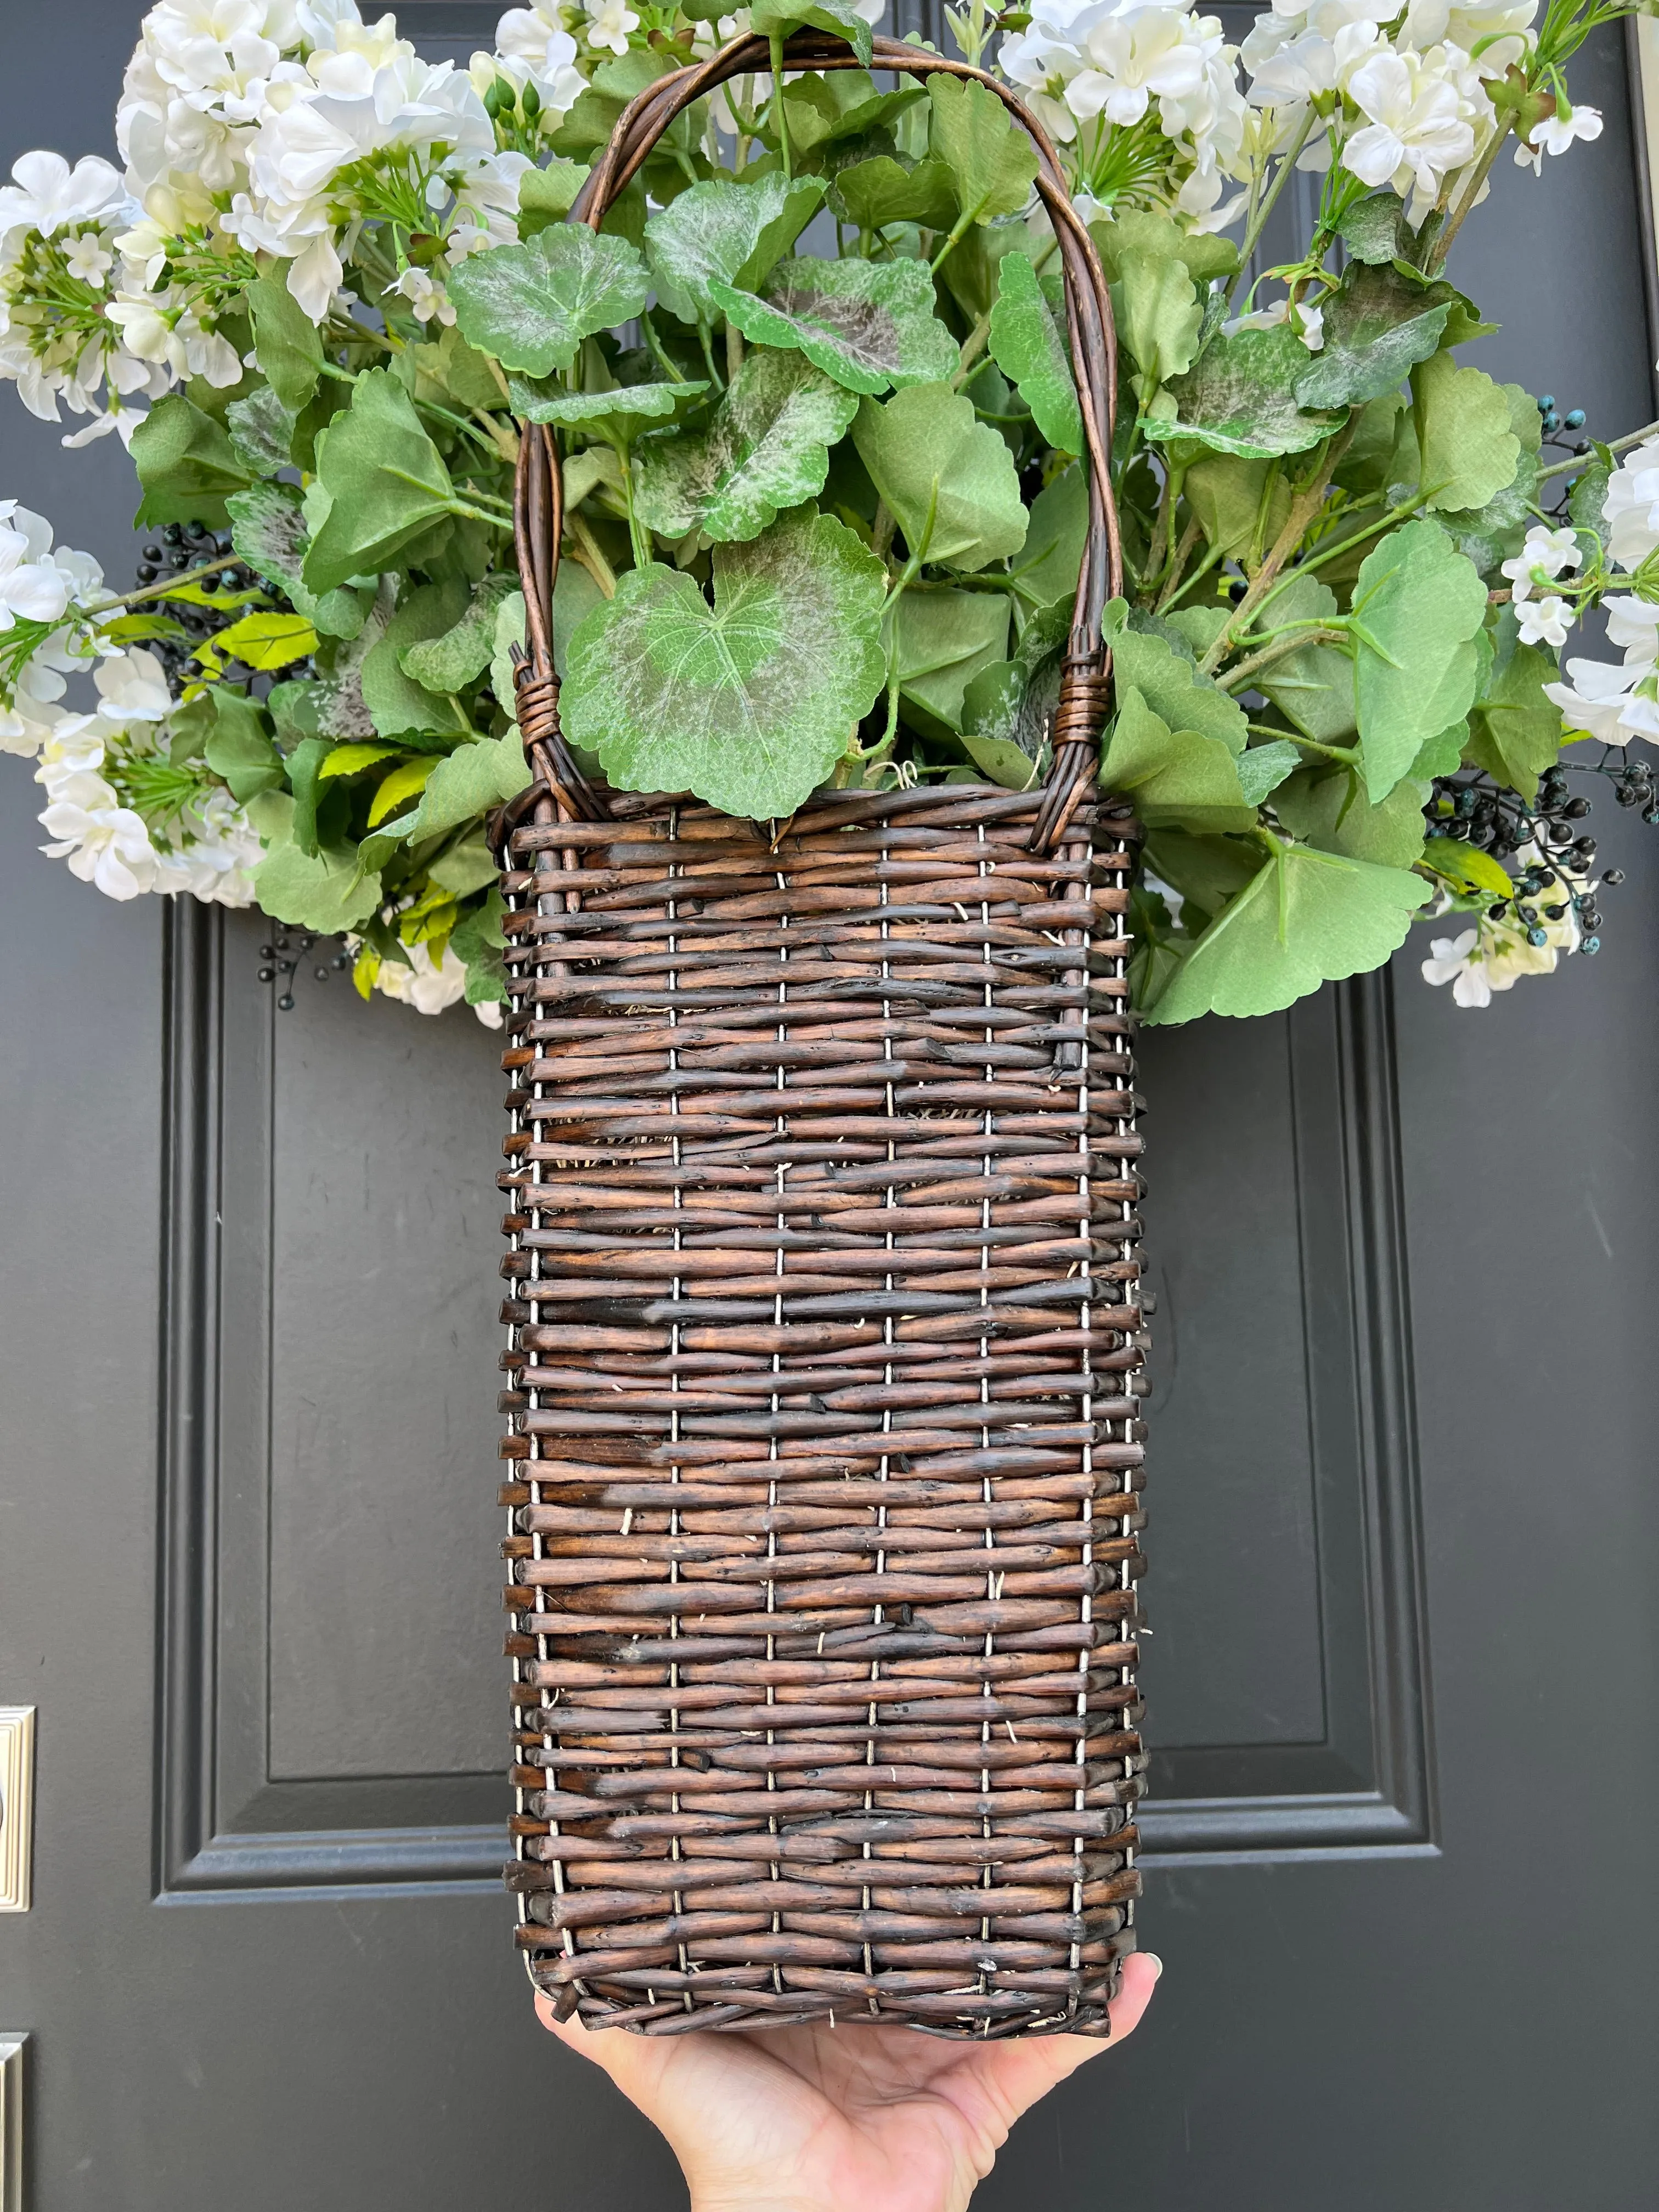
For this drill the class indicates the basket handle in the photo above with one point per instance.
(539, 502)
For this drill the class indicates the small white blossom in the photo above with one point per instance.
(104, 842)
(32, 587)
(1604, 702)
(88, 259)
(428, 986)
(1308, 324)
(47, 195)
(1554, 134)
(132, 687)
(1545, 622)
(609, 22)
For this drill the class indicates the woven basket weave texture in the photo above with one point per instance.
(823, 1361)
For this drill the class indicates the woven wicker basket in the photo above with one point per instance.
(825, 1341)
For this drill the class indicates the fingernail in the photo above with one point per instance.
(1154, 1962)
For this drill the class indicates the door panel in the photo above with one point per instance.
(1403, 1525)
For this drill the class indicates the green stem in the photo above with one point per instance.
(1307, 633)
(1303, 508)
(638, 536)
(586, 549)
(167, 584)
(1588, 460)
(1258, 221)
(782, 121)
(1437, 256)
(1212, 560)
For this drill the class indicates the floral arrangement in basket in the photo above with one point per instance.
(823, 505)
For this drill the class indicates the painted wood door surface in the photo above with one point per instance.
(1404, 1521)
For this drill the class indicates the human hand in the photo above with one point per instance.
(840, 2119)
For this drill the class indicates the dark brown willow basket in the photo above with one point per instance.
(824, 1350)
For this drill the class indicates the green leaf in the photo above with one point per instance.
(464, 784)
(1054, 537)
(186, 463)
(454, 374)
(352, 760)
(941, 642)
(289, 343)
(870, 324)
(547, 195)
(1174, 775)
(1489, 534)
(873, 193)
(1312, 687)
(1466, 867)
(1026, 346)
(617, 416)
(268, 529)
(1589, 498)
(767, 448)
(464, 868)
(993, 161)
(448, 660)
(1158, 316)
(1469, 449)
(1418, 607)
(749, 703)
(385, 479)
(1010, 702)
(1240, 399)
(725, 231)
(1305, 918)
(948, 479)
(266, 641)
(1170, 685)
(238, 750)
(1371, 228)
(1225, 494)
(1208, 872)
(1264, 768)
(326, 891)
(397, 702)
(1327, 806)
(1205, 255)
(841, 17)
(261, 432)
(531, 306)
(1515, 732)
(1377, 328)
(403, 783)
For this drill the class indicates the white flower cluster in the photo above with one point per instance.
(1114, 63)
(94, 766)
(427, 985)
(1618, 702)
(1493, 956)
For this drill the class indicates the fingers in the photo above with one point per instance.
(635, 2063)
(1016, 2074)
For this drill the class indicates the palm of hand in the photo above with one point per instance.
(820, 2119)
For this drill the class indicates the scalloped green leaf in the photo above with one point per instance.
(870, 324)
(448, 660)
(1011, 702)
(941, 642)
(767, 449)
(750, 702)
(1377, 330)
(994, 161)
(464, 784)
(289, 344)
(1027, 347)
(1305, 918)
(385, 482)
(1470, 451)
(532, 304)
(617, 416)
(1312, 687)
(1170, 684)
(727, 232)
(948, 479)
(767, 17)
(1174, 775)
(1326, 805)
(1418, 611)
(268, 529)
(1241, 398)
(880, 190)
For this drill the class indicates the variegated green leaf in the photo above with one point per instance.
(870, 324)
(768, 448)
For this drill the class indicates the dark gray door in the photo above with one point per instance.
(1404, 1526)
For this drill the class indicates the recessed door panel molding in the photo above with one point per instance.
(244, 1807)
(12, 2061)
(16, 1805)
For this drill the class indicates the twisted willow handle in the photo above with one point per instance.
(538, 492)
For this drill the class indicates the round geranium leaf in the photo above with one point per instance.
(750, 701)
(531, 306)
